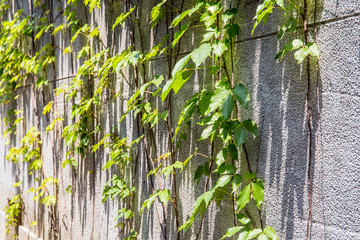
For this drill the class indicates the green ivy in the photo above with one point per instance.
(216, 109)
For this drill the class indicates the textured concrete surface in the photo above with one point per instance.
(278, 156)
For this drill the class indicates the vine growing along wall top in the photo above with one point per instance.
(28, 55)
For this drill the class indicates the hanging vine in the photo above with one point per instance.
(27, 57)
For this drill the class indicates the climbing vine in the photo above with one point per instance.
(27, 58)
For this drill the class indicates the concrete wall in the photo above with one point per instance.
(279, 156)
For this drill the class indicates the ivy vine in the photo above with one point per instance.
(27, 57)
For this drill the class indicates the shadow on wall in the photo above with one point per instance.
(278, 92)
(280, 155)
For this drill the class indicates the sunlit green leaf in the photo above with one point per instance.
(232, 231)
(236, 182)
(121, 19)
(219, 48)
(258, 191)
(165, 196)
(270, 232)
(223, 181)
(178, 19)
(200, 54)
(313, 49)
(254, 233)
(301, 54)
(262, 236)
(179, 34)
(243, 197)
(289, 26)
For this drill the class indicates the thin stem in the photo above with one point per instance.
(306, 36)
(206, 188)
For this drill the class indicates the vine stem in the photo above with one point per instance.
(317, 130)
(206, 188)
(244, 147)
(37, 123)
(163, 227)
(248, 162)
(306, 39)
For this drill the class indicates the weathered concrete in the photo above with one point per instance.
(278, 156)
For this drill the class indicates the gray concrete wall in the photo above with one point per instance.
(279, 156)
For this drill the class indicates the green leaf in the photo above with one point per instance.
(179, 34)
(228, 14)
(291, 45)
(208, 19)
(221, 157)
(135, 57)
(313, 49)
(296, 44)
(236, 182)
(244, 234)
(301, 54)
(121, 19)
(219, 48)
(243, 197)
(254, 233)
(233, 30)
(181, 78)
(70, 161)
(251, 126)
(165, 196)
(218, 197)
(47, 108)
(197, 7)
(240, 136)
(217, 99)
(207, 197)
(180, 64)
(262, 236)
(258, 191)
(200, 171)
(232, 231)
(288, 47)
(128, 214)
(223, 181)
(207, 36)
(248, 176)
(227, 107)
(148, 202)
(17, 184)
(156, 13)
(262, 13)
(178, 19)
(157, 80)
(280, 3)
(289, 26)
(188, 159)
(207, 132)
(241, 94)
(243, 219)
(270, 232)
(227, 169)
(233, 151)
(200, 54)
(176, 82)
(204, 102)
(33, 223)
